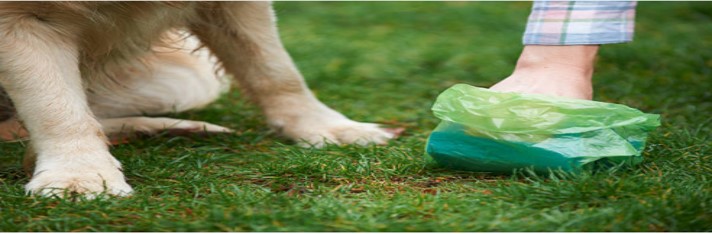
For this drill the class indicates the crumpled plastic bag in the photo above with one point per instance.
(490, 131)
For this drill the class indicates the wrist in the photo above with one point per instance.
(578, 59)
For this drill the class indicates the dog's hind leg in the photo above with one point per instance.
(171, 79)
(40, 73)
(243, 36)
(174, 78)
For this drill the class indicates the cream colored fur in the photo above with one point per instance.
(78, 70)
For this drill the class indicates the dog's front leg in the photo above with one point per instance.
(244, 37)
(40, 72)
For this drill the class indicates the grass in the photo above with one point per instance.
(386, 62)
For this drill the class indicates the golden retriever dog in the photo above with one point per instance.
(79, 71)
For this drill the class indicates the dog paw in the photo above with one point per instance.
(86, 176)
(313, 124)
(343, 131)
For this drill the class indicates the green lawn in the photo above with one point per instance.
(386, 62)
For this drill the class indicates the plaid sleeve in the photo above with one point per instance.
(580, 22)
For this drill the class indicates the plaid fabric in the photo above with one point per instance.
(580, 22)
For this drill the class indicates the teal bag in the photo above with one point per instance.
(490, 131)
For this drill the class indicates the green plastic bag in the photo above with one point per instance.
(489, 131)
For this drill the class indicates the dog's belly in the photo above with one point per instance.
(123, 31)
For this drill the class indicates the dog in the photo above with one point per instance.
(79, 71)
